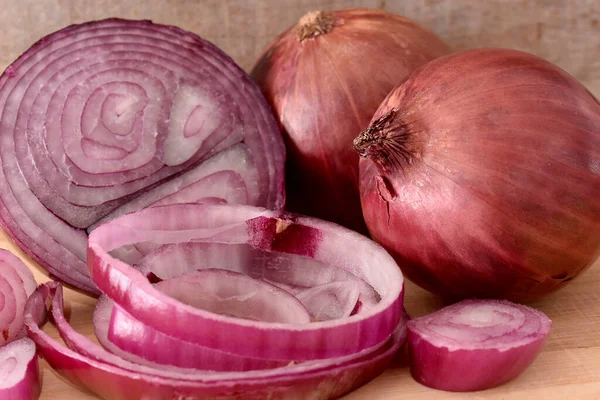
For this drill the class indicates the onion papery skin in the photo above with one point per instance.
(16, 285)
(463, 357)
(109, 377)
(270, 231)
(106, 117)
(20, 374)
(480, 176)
(324, 79)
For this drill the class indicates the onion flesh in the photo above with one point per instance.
(475, 344)
(324, 79)
(109, 116)
(480, 176)
(111, 377)
(16, 284)
(264, 230)
(243, 353)
(19, 371)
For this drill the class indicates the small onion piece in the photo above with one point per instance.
(265, 230)
(110, 116)
(475, 344)
(481, 176)
(16, 284)
(324, 78)
(19, 371)
(110, 377)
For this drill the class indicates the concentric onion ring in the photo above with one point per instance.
(16, 284)
(284, 359)
(106, 117)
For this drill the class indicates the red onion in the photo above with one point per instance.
(481, 176)
(16, 284)
(253, 241)
(475, 344)
(19, 371)
(121, 334)
(107, 117)
(324, 78)
(264, 230)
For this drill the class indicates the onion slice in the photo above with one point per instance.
(19, 371)
(475, 344)
(265, 230)
(121, 334)
(16, 284)
(112, 378)
(234, 294)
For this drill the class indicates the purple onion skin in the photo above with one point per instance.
(323, 96)
(480, 176)
(467, 370)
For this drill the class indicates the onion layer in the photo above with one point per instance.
(19, 371)
(229, 331)
(475, 344)
(481, 176)
(324, 78)
(263, 230)
(16, 284)
(111, 116)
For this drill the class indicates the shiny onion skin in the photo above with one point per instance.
(324, 79)
(111, 116)
(481, 176)
(475, 344)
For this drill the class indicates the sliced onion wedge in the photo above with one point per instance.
(110, 377)
(16, 284)
(106, 117)
(264, 230)
(475, 344)
(19, 371)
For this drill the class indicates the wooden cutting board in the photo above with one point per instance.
(566, 32)
(569, 366)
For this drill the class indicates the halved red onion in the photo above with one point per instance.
(19, 371)
(110, 116)
(265, 230)
(113, 378)
(16, 284)
(475, 344)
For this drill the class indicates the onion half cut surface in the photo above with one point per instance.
(19, 371)
(107, 117)
(475, 344)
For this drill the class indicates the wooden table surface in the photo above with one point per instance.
(566, 32)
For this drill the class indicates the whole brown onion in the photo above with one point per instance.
(482, 175)
(324, 78)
